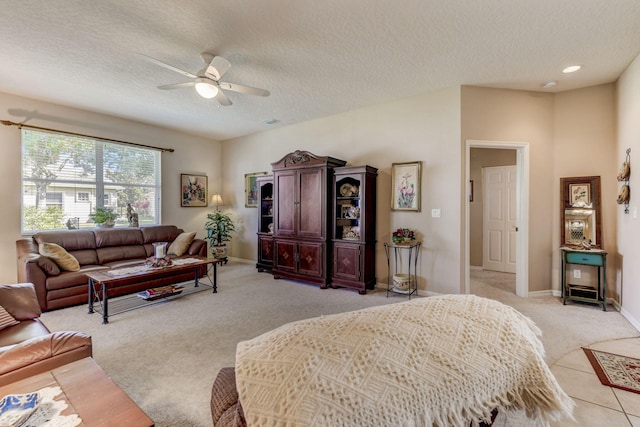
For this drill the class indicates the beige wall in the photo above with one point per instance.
(569, 134)
(425, 128)
(584, 145)
(517, 116)
(480, 158)
(192, 155)
(628, 231)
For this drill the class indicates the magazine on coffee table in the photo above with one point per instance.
(161, 292)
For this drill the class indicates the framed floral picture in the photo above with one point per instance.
(580, 194)
(251, 189)
(193, 189)
(405, 186)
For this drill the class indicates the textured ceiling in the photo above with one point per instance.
(317, 58)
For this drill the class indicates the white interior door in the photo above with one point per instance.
(499, 213)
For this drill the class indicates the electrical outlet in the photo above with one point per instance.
(577, 274)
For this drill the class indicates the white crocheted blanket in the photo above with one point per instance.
(441, 361)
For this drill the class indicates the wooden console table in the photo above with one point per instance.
(89, 392)
(593, 257)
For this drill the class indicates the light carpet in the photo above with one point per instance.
(166, 356)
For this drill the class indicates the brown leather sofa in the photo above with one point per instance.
(29, 348)
(96, 249)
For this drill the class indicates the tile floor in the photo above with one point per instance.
(596, 404)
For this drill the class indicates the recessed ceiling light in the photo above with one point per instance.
(549, 84)
(571, 69)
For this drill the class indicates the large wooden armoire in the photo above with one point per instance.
(302, 203)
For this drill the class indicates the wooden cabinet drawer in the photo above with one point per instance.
(584, 258)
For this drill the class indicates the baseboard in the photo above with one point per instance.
(545, 293)
(476, 267)
(634, 322)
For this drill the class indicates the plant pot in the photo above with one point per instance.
(219, 252)
(108, 224)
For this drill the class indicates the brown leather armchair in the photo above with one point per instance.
(29, 348)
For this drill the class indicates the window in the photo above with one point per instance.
(66, 177)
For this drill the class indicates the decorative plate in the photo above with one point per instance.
(16, 408)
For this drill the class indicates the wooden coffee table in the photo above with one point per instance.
(99, 283)
(89, 392)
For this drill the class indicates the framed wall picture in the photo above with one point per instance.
(251, 189)
(405, 186)
(193, 189)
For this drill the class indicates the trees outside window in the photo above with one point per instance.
(76, 175)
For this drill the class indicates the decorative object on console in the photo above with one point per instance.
(403, 235)
(623, 176)
(251, 189)
(159, 249)
(155, 262)
(405, 186)
(193, 190)
(132, 216)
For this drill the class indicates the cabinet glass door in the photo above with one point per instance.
(347, 212)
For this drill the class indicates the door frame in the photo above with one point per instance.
(522, 210)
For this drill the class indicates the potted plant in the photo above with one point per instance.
(104, 217)
(218, 227)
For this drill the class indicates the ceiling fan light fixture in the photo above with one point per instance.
(206, 88)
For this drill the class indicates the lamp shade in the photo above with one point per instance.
(216, 200)
(206, 88)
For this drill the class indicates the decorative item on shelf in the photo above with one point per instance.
(104, 217)
(270, 227)
(351, 232)
(350, 212)
(270, 210)
(349, 190)
(155, 262)
(218, 227)
(132, 216)
(403, 236)
(623, 176)
(586, 244)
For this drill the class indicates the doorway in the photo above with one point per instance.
(521, 237)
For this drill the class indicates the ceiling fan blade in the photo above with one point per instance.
(169, 67)
(176, 85)
(217, 68)
(223, 99)
(244, 89)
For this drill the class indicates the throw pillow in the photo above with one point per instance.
(179, 246)
(20, 300)
(49, 267)
(6, 319)
(64, 259)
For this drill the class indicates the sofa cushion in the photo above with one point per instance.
(64, 259)
(117, 253)
(72, 240)
(180, 245)
(160, 233)
(6, 319)
(85, 256)
(20, 300)
(107, 237)
(23, 331)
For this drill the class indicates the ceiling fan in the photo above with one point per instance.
(207, 81)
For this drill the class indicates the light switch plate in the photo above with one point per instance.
(435, 213)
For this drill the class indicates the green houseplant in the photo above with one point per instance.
(218, 227)
(104, 217)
